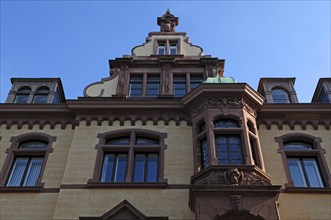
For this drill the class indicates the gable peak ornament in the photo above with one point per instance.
(167, 22)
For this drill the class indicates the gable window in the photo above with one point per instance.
(303, 160)
(167, 47)
(280, 96)
(26, 160)
(161, 49)
(22, 95)
(41, 95)
(130, 156)
(173, 48)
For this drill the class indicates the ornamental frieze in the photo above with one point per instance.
(232, 176)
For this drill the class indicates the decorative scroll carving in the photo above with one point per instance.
(199, 107)
(249, 109)
(232, 176)
(254, 179)
(212, 179)
(236, 202)
(224, 101)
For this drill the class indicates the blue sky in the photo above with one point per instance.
(74, 40)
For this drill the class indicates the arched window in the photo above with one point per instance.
(22, 95)
(227, 143)
(304, 163)
(280, 96)
(41, 95)
(130, 156)
(26, 160)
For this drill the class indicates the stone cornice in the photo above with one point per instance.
(302, 114)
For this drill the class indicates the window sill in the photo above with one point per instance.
(127, 185)
(4, 189)
(322, 190)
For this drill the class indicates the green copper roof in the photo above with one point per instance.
(218, 79)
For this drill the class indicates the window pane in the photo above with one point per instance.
(21, 98)
(139, 168)
(296, 172)
(17, 172)
(146, 141)
(33, 172)
(173, 49)
(153, 84)
(280, 96)
(228, 149)
(313, 174)
(33, 145)
(40, 98)
(118, 141)
(323, 98)
(152, 168)
(161, 50)
(136, 85)
(294, 145)
(108, 167)
(120, 168)
(179, 86)
(195, 81)
(226, 123)
(204, 153)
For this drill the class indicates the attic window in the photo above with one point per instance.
(166, 47)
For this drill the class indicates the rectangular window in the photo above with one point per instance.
(195, 81)
(145, 168)
(179, 86)
(173, 48)
(114, 168)
(136, 86)
(228, 149)
(153, 84)
(25, 172)
(305, 172)
(161, 48)
(40, 98)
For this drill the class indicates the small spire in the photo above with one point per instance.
(167, 22)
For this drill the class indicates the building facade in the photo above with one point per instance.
(165, 136)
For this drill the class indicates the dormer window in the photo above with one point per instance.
(41, 95)
(167, 47)
(22, 95)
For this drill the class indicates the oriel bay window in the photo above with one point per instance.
(304, 162)
(134, 156)
(26, 160)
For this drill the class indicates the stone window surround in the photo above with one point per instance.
(14, 151)
(33, 92)
(102, 148)
(316, 152)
